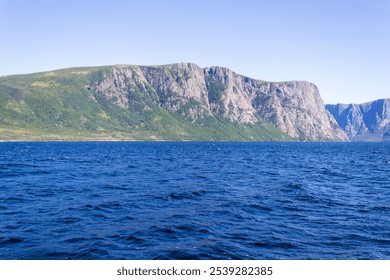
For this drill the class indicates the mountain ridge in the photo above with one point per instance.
(369, 121)
(179, 101)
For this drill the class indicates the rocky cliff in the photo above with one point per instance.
(171, 102)
(364, 122)
(294, 107)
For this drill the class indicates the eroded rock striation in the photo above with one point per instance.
(295, 107)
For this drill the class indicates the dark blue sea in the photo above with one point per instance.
(160, 200)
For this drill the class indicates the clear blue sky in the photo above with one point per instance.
(342, 46)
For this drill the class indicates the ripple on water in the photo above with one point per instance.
(194, 200)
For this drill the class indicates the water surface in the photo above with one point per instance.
(123, 200)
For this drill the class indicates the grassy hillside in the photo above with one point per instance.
(58, 105)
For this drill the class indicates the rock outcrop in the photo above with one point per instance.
(364, 122)
(294, 107)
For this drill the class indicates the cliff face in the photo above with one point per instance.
(297, 109)
(364, 122)
(171, 102)
(294, 107)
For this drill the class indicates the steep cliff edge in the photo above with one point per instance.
(364, 122)
(171, 102)
(294, 107)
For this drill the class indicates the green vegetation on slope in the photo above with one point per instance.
(59, 105)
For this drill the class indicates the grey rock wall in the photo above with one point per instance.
(295, 107)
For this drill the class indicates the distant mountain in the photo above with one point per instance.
(364, 122)
(171, 102)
